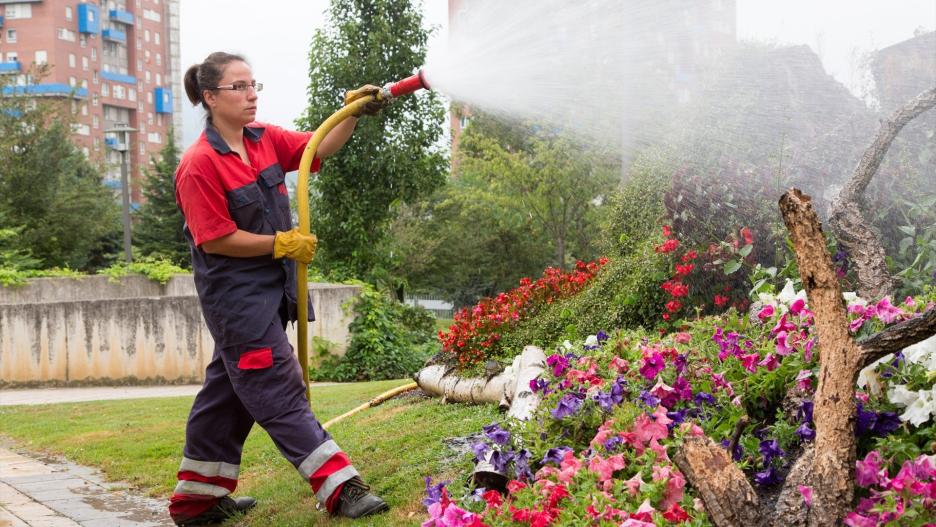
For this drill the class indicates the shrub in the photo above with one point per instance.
(388, 341)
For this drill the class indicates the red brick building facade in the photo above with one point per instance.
(115, 61)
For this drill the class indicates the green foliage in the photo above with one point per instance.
(154, 268)
(625, 294)
(393, 158)
(637, 205)
(389, 340)
(159, 223)
(49, 192)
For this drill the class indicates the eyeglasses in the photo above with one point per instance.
(240, 86)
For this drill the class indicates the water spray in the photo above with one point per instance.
(389, 92)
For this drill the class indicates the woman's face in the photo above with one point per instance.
(235, 107)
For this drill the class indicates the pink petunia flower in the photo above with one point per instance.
(886, 312)
(766, 313)
(804, 380)
(807, 494)
(783, 346)
(868, 470)
(770, 362)
(605, 468)
(749, 361)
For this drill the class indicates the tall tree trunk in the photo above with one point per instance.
(849, 221)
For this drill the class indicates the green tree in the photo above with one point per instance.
(159, 226)
(49, 192)
(394, 157)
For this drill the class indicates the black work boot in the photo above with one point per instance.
(224, 509)
(356, 501)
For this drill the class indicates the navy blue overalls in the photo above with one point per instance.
(253, 374)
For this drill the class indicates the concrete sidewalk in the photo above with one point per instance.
(109, 393)
(51, 493)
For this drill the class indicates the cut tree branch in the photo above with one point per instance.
(848, 219)
(897, 337)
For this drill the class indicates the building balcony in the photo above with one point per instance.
(162, 99)
(114, 35)
(89, 18)
(121, 16)
(46, 90)
(10, 67)
(1, 21)
(118, 77)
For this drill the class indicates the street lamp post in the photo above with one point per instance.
(122, 131)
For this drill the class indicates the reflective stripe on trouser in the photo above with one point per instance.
(259, 381)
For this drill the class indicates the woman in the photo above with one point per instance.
(230, 189)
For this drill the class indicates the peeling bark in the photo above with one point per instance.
(729, 499)
(848, 218)
(834, 407)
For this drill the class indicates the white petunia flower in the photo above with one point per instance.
(923, 353)
(899, 394)
(919, 412)
(567, 345)
(869, 377)
(591, 341)
(852, 298)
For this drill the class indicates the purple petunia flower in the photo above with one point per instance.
(496, 433)
(479, 449)
(704, 398)
(767, 477)
(736, 453)
(433, 492)
(864, 421)
(678, 417)
(805, 412)
(649, 399)
(771, 449)
(885, 423)
(500, 460)
(652, 365)
(805, 432)
(555, 455)
(680, 363)
(568, 405)
(537, 385)
(602, 336)
(612, 443)
(522, 465)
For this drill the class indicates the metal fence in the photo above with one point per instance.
(437, 305)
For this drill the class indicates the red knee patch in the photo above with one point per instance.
(256, 359)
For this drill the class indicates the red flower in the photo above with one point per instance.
(668, 246)
(666, 316)
(673, 306)
(684, 270)
(493, 499)
(667, 231)
(676, 514)
(689, 256)
(721, 300)
(748, 237)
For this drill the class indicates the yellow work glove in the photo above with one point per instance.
(371, 108)
(294, 245)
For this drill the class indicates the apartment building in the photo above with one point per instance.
(113, 61)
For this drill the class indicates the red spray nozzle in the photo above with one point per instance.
(407, 85)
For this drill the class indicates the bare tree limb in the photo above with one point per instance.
(897, 337)
(848, 220)
(834, 415)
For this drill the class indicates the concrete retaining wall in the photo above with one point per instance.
(90, 330)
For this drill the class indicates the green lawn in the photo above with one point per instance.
(140, 441)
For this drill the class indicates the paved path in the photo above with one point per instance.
(50, 493)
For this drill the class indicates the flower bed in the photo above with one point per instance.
(616, 407)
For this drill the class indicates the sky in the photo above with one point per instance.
(275, 35)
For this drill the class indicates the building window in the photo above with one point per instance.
(131, 95)
(142, 148)
(95, 79)
(139, 65)
(67, 35)
(96, 122)
(72, 60)
(149, 118)
(158, 59)
(94, 100)
(74, 107)
(84, 63)
(159, 119)
(73, 82)
(158, 79)
(146, 35)
(84, 83)
(139, 43)
(11, 34)
(149, 97)
(105, 90)
(68, 13)
(11, 56)
(41, 57)
(97, 144)
(147, 76)
(14, 11)
(120, 92)
(156, 37)
(84, 109)
(93, 54)
(84, 150)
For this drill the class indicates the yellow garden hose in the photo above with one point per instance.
(302, 200)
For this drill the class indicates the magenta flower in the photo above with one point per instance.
(783, 346)
(558, 363)
(887, 312)
(766, 313)
(804, 380)
(807, 494)
(749, 362)
(853, 519)
(770, 362)
(652, 365)
(868, 470)
(797, 306)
